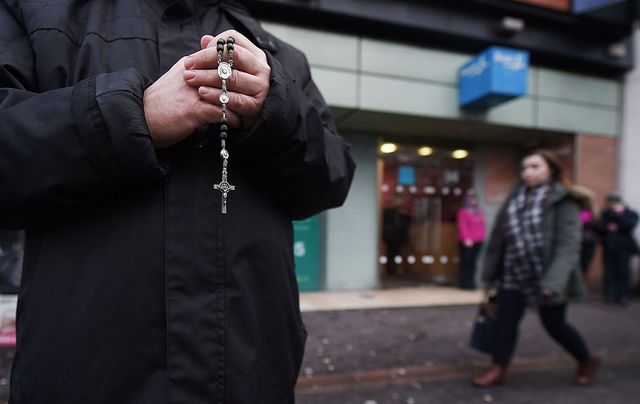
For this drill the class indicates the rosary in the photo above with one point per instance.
(224, 72)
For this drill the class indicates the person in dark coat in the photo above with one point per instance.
(395, 231)
(589, 221)
(136, 288)
(532, 259)
(616, 225)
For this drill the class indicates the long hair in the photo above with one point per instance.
(467, 202)
(585, 196)
(553, 162)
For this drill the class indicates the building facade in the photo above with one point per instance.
(392, 71)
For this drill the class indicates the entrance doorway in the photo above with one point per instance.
(421, 190)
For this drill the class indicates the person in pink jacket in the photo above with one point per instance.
(471, 234)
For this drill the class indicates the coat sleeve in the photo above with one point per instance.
(296, 148)
(463, 225)
(566, 253)
(491, 263)
(627, 221)
(65, 149)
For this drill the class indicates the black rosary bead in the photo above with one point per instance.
(230, 40)
(224, 72)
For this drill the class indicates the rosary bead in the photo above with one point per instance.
(223, 128)
(220, 41)
(220, 48)
(230, 40)
(230, 46)
(223, 135)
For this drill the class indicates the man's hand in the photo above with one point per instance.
(174, 110)
(248, 85)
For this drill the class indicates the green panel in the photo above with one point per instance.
(579, 88)
(578, 118)
(339, 89)
(306, 253)
(320, 47)
(518, 112)
(408, 97)
(414, 62)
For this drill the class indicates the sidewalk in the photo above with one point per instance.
(416, 351)
(423, 296)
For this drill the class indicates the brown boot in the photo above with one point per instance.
(587, 371)
(493, 376)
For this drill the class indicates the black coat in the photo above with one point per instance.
(620, 240)
(135, 288)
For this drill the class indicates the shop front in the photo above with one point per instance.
(426, 185)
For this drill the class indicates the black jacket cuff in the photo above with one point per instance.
(109, 112)
(279, 117)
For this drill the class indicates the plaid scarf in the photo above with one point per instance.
(524, 250)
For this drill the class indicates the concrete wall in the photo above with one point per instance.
(352, 231)
(629, 168)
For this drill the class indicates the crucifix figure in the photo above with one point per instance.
(224, 187)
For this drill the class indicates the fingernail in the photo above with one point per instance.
(204, 90)
(189, 63)
(189, 75)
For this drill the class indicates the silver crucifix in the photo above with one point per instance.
(224, 185)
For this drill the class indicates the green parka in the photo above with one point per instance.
(562, 234)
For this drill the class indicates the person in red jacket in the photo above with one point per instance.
(471, 234)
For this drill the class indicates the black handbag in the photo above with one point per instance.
(483, 334)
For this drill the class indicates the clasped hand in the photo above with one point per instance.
(187, 96)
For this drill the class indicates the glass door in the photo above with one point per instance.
(422, 188)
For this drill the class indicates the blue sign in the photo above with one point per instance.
(493, 77)
(584, 6)
(406, 175)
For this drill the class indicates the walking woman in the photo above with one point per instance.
(471, 233)
(532, 260)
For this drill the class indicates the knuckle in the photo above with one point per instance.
(201, 56)
(256, 104)
(233, 81)
(210, 76)
(241, 103)
(204, 112)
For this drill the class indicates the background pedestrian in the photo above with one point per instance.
(532, 260)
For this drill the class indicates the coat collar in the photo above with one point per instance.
(261, 38)
(238, 11)
(558, 193)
